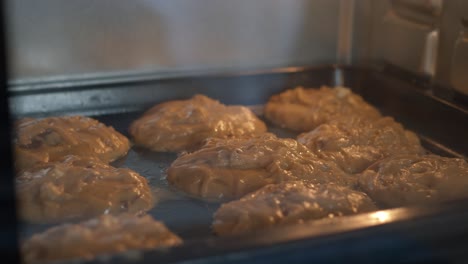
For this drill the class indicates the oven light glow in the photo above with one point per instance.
(382, 216)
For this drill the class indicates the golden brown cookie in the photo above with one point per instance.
(357, 144)
(102, 235)
(230, 168)
(416, 180)
(77, 188)
(302, 109)
(288, 203)
(50, 139)
(185, 124)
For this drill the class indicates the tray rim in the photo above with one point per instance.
(120, 77)
(95, 80)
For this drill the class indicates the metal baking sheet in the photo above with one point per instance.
(118, 101)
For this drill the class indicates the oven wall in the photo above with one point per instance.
(56, 37)
(420, 35)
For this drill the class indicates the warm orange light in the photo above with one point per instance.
(382, 216)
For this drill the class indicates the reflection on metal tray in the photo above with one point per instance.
(117, 101)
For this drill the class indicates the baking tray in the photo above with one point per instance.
(119, 99)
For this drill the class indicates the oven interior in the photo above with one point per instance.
(407, 58)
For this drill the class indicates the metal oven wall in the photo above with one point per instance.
(429, 37)
(54, 37)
